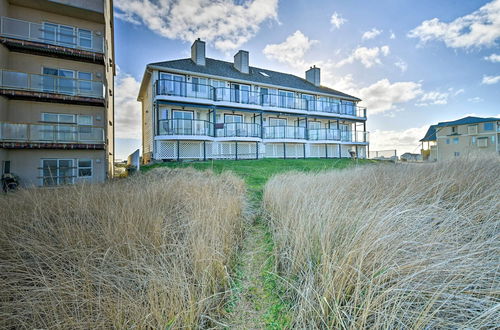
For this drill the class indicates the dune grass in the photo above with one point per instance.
(152, 252)
(406, 246)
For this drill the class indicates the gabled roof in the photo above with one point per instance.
(255, 75)
(431, 132)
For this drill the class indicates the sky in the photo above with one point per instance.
(413, 63)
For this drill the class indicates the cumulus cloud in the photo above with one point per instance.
(437, 98)
(490, 80)
(384, 95)
(224, 23)
(392, 35)
(127, 108)
(337, 20)
(402, 65)
(290, 51)
(406, 140)
(479, 28)
(495, 58)
(371, 34)
(367, 56)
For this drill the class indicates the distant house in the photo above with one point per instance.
(452, 139)
(409, 157)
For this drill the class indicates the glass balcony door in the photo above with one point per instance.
(241, 93)
(233, 126)
(278, 126)
(182, 123)
(314, 129)
(172, 84)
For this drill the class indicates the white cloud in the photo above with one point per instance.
(402, 65)
(371, 34)
(127, 108)
(480, 28)
(490, 80)
(475, 99)
(224, 23)
(367, 56)
(337, 20)
(495, 58)
(290, 51)
(433, 98)
(392, 36)
(405, 140)
(384, 95)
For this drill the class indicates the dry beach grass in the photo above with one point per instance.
(153, 251)
(385, 246)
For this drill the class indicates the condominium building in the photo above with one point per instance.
(56, 90)
(202, 108)
(466, 136)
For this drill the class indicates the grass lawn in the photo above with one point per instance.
(257, 172)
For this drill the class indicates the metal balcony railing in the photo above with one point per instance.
(54, 34)
(185, 127)
(50, 84)
(51, 133)
(238, 130)
(284, 132)
(337, 135)
(224, 94)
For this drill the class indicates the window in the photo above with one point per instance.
(60, 118)
(447, 141)
(493, 139)
(171, 84)
(286, 99)
(472, 129)
(57, 171)
(454, 130)
(85, 38)
(233, 118)
(349, 108)
(199, 86)
(84, 168)
(482, 142)
(84, 120)
(6, 167)
(455, 140)
(473, 140)
(182, 122)
(85, 84)
(66, 35)
(277, 122)
(308, 102)
(314, 125)
(456, 153)
(64, 83)
(488, 126)
(49, 32)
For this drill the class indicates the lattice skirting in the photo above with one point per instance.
(199, 150)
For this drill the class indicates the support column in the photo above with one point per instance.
(326, 150)
(256, 150)
(178, 151)
(214, 120)
(304, 150)
(204, 150)
(340, 136)
(284, 150)
(236, 143)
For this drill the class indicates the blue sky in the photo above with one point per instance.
(413, 63)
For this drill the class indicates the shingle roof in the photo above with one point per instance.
(431, 132)
(227, 70)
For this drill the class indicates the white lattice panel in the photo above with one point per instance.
(333, 150)
(345, 150)
(166, 150)
(274, 150)
(226, 150)
(191, 150)
(316, 151)
(247, 150)
(209, 149)
(294, 150)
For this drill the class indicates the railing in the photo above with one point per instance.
(50, 84)
(51, 34)
(224, 94)
(184, 89)
(185, 127)
(51, 133)
(337, 135)
(238, 130)
(284, 132)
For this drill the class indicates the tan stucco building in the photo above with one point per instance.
(466, 136)
(57, 72)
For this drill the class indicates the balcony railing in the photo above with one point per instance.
(50, 84)
(51, 133)
(185, 127)
(224, 94)
(51, 34)
(238, 130)
(284, 132)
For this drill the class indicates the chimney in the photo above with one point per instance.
(241, 61)
(313, 75)
(198, 52)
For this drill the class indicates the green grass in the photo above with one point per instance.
(257, 172)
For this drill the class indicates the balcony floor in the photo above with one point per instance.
(38, 48)
(51, 97)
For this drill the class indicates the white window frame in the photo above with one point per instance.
(78, 167)
(57, 180)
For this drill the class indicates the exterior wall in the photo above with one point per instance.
(26, 163)
(109, 77)
(461, 143)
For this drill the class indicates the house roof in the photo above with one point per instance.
(255, 75)
(431, 132)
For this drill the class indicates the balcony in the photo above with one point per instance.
(183, 89)
(50, 136)
(190, 127)
(284, 132)
(48, 88)
(60, 41)
(245, 130)
(329, 134)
